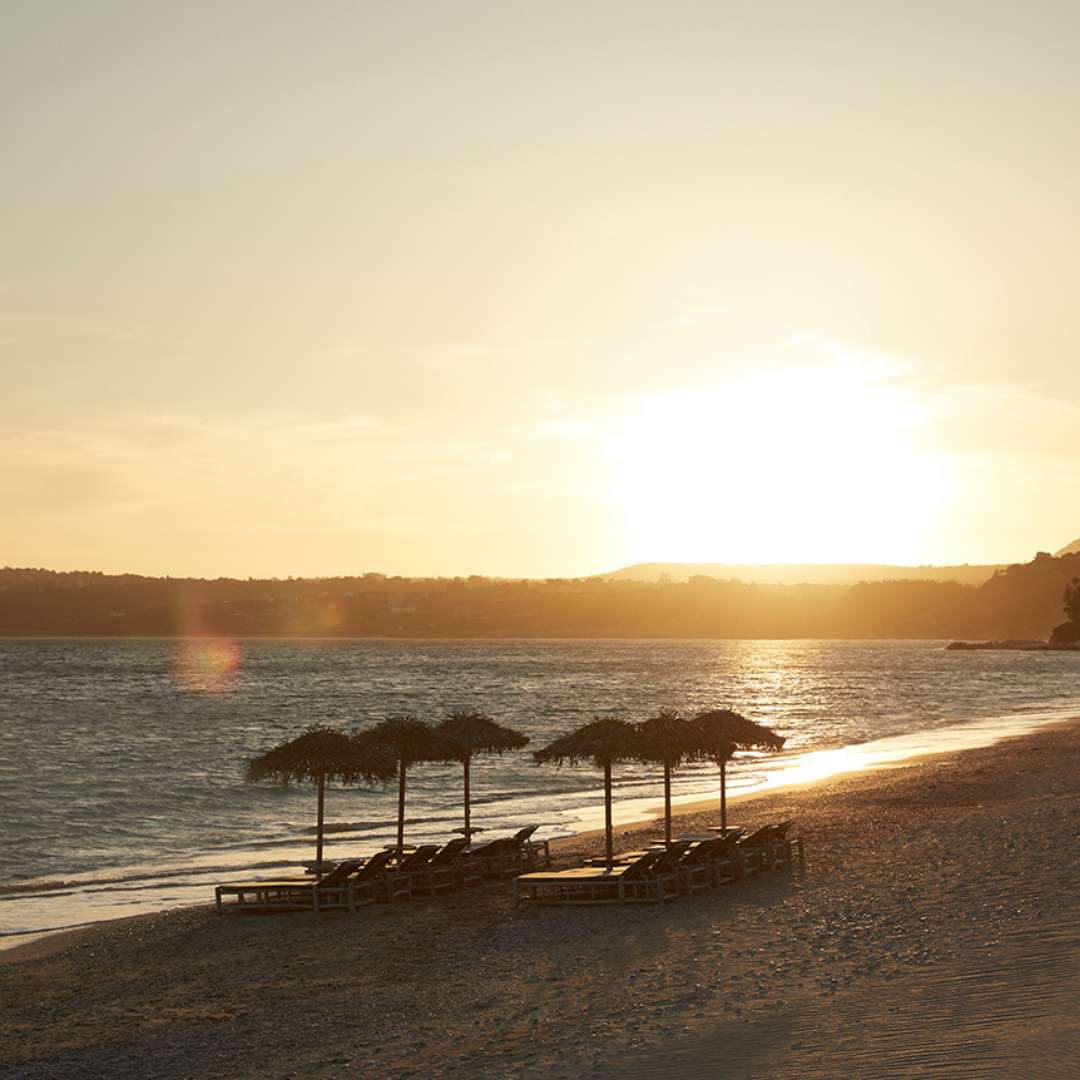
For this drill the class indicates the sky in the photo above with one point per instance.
(536, 290)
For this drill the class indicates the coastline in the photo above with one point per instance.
(781, 774)
(819, 767)
(937, 923)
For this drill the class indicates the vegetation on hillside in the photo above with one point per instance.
(1021, 601)
(1068, 633)
(1072, 601)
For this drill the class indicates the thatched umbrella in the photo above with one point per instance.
(318, 755)
(407, 741)
(669, 740)
(474, 733)
(604, 741)
(724, 725)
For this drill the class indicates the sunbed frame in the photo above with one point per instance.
(352, 884)
(651, 878)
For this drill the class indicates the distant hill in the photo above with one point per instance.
(1020, 601)
(805, 573)
(1069, 549)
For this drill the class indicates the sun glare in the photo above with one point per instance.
(806, 465)
(205, 666)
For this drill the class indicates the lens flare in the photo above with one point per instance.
(206, 665)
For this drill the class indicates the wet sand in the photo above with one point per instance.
(935, 930)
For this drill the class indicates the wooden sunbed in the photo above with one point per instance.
(770, 847)
(493, 858)
(752, 850)
(352, 884)
(536, 852)
(412, 857)
(510, 854)
(782, 845)
(661, 879)
(725, 862)
(707, 863)
(652, 878)
(442, 871)
(401, 873)
(585, 885)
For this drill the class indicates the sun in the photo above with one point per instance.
(802, 465)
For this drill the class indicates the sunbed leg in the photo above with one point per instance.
(217, 897)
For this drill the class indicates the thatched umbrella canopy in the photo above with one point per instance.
(669, 740)
(318, 755)
(407, 741)
(475, 733)
(603, 742)
(724, 725)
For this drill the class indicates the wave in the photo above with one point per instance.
(135, 798)
(102, 884)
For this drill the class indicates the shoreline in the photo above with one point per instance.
(685, 806)
(694, 808)
(642, 813)
(936, 925)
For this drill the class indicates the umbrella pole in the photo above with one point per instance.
(468, 829)
(401, 807)
(723, 795)
(319, 826)
(667, 802)
(607, 814)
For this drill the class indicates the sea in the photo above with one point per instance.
(122, 762)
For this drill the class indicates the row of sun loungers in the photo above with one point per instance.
(655, 876)
(665, 872)
(388, 875)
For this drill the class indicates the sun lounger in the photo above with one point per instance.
(442, 871)
(585, 885)
(414, 859)
(536, 852)
(752, 850)
(769, 847)
(697, 869)
(287, 892)
(651, 878)
(509, 855)
(621, 857)
(349, 885)
(497, 858)
(493, 858)
(329, 865)
(725, 861)
(660, 881)
(781, 846)
(401, 873)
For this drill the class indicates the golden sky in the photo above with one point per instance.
(537, 289)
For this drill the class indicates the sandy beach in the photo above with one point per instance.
(933, 931)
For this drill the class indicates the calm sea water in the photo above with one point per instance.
(121, 762)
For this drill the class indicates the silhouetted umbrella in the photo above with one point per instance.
(474, 733)
(727, 726)
(408, 741)
(318, 755)
(604, 741)
(669, 740)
